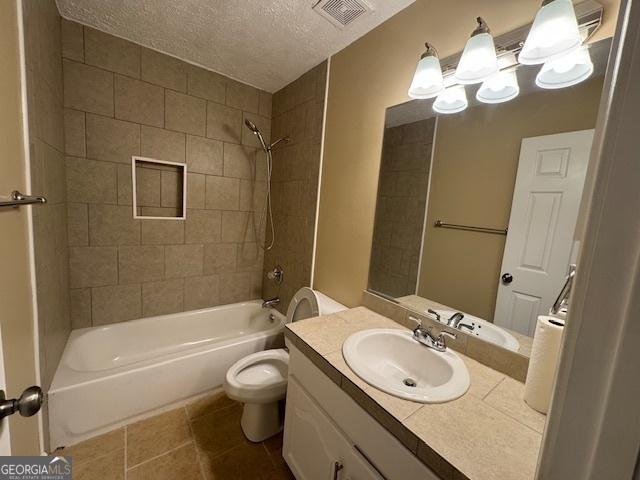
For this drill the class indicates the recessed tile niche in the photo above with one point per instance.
(159, 189)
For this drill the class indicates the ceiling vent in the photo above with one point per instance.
(343, 13)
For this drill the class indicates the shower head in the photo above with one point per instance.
(256, 131)
(251, 126)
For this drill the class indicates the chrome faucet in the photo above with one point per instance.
(562, 302)
(426, 338)
(471, 327)
(455, 319)
(271, 302)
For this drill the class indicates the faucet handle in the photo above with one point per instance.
(413, 318)
(441, 340)
(433, 312)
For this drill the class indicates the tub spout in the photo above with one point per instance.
(271, 302)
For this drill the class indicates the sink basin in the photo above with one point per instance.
(392, 361)
(484, 330)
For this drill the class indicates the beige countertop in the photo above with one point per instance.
(487, 434)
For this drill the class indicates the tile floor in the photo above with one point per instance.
(201, 441)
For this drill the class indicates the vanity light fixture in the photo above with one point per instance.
(478, 61)
(427, 81)
(502, 86)
(553, 34)
(451, 100)
(568, 70)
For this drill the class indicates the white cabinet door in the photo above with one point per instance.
(546, 200)
(313, 447)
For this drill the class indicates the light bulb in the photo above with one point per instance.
(568, 70)
(478, 61)
(554, 33)
(452, 100)
(502, 86)
(427, 80)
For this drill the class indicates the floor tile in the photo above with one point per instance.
(181, 463)
(95, 447)
(209, 404)
(163, 447)
(152, 437)
(244, 462)
(281, 469)
(274, 443)
(219, 431)
(107, 467)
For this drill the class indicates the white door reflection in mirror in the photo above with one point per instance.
(544, 212)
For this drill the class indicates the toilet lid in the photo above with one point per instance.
(308, 303)
(304, 304)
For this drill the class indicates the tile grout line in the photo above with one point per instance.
(193, 437)
(89, 460)
(269, 456)
(492, 389)
(125, 451)
(509, 414)
(148, 460)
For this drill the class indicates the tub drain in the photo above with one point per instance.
(409, 382)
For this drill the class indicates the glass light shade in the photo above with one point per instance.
(452, 100)
(571, 69)
(554, 33)
(478, 61)
(501, 87)
(427, 81)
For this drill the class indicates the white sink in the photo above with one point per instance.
(484, 330)
(392, 361)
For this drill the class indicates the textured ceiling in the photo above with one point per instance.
(265, 43)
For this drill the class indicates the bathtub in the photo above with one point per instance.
(111, 375)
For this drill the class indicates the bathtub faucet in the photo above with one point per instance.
(272, 302)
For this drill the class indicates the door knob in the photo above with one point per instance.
(27, 405)
(507, 278)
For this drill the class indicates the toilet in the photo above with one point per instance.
(259, 380)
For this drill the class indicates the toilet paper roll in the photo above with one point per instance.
(542, 363)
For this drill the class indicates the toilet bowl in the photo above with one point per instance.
(259, 380)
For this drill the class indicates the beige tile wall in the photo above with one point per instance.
(46, 145)
(400, 208)
(121, 99)
(298, 111)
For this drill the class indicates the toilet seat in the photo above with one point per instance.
(258, 378)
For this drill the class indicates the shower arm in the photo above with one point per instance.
(283, 139)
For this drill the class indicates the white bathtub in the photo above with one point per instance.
(109, 375)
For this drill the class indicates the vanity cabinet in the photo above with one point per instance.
(328, 436)
(314, 447)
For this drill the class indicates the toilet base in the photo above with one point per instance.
(261, 420)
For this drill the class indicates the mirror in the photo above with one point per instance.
(478, 212)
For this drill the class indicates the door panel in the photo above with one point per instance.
(16, 315)
(544, 211)
(542, 218)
